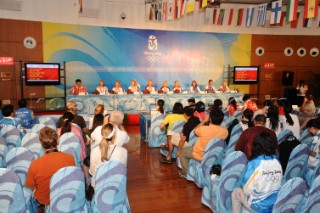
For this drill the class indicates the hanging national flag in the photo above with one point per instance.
(164, 10)
(214, 15)
(202, 4)
(183, 7)
(170, 10)
(220, 17)
(176, 9)
(239, 16)
(294, 23)
(307, 22)
(152, 15)
(283, 14)
(190, 6)
(249, 16)
(159, 12)
(262, 14)
(276, 12)
(310, 8)
(292, 7)
(230, 16)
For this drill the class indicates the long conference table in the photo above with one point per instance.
(142, 103)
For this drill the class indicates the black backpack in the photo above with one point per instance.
(285, 149)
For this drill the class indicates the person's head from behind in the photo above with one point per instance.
(232, 101)
(267, 103)
(67, 122)
(116, 118)
(247, 117)
(97, 121)
(191, 101)
(279, 102)
(160, 105)
(217, 103)
(273, 112)
(72, 107)
(200, 107)
(194, 83)
(78, 83)
(108, 133)
(48, 138)
(187, 112)
(99, 109)
(22, 103)
(260, 120)
(210, 82)
(314, 126)
(245, 97)
(263, 144)
(8, 111)
(101, 83)
(216, 116)
(302, 82)
(177, 108)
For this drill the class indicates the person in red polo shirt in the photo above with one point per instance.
(78, 88)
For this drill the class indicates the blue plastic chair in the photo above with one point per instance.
(156, 136)
(311, 174)
(234, 137)
(199, 171)
(48, 121)
(313, 199)
(290, 196)
(283, 135)
(238, 114)
(110, 191)
(11, 193)
(217, 195)
(36, 128)
(32, 143)
(229, 121)
(306, 137)
(3, 152)
(67, 191)
(297, 163)
(70, 143)
(192, 138)
(12, 136)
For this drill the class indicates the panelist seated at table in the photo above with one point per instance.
(78, 88)
(102, 89)
(164, 88)
(210, 88)
(117, 89)
(176, 87)
(194, 87)
(149, 88)
(134, 87)
(224, 87)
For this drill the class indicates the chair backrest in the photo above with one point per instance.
(32, 143)
(67, 190)
(157, 117)
(11, 193)
(3, 152)
(297, 162)
(229, 121)
(238, 114)
(178, 126)
(70, 143)
(236, 130)
(36, 128)
(306, 137)
(192, 138)
(48, 121)
(156, 136)
(110, 190)
(283, 135)
(18, 160)
(12, 136)
(290, 195)
(232, 143)
(233, 168)
(313, 200)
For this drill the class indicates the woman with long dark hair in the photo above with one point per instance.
(247, 119)
(200, 108)
(160, 106)
(273, 121)
(290, 121)
(194, 87)
(232, 107)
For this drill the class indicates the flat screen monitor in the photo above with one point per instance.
(42, 73)
(246, 75)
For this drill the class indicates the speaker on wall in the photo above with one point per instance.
(287, 78)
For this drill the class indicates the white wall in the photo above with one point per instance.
(109, 14)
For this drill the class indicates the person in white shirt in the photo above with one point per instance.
(224, 87)
(194, 87)
(176, 87)
(165, 87)
(106, 151)
(210, 88)
(134, 87)
(149, 88)
(273, 121)
(117, 88)
(290, 121)
(102, 89)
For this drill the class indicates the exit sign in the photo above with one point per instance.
(6, 61)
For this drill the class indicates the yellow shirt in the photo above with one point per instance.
(205, 135)
(172, 118)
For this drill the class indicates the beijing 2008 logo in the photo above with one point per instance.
(152, 42)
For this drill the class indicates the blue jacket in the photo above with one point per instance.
(26, 117)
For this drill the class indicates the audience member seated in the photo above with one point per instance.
(97, 121)
(102, 89)
(232, 106)
(302, 89)
(170, 119)
(262, 179)
(249, 104)
(107, 150)
(78, 88)
(176, 87)
(182, 139)
(244, 143)
(78, 119)
(247, 119)
(24, 114)
(134, 87)
(68, 126)
(42, 169)
(117, 89)
(160, 106)
(8, 119)
(205, 135)
(200, 108)
(217, 104)
(165, 88)
(98, 110)
(210, 88)
(149, 88)
(290, 121)
(192, 103)
(307, 109)
(273, 121)
(194, 87)
(224, 87)
(314, 128)
(280, 104)
(266, 104)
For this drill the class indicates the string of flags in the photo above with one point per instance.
(169, 10)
